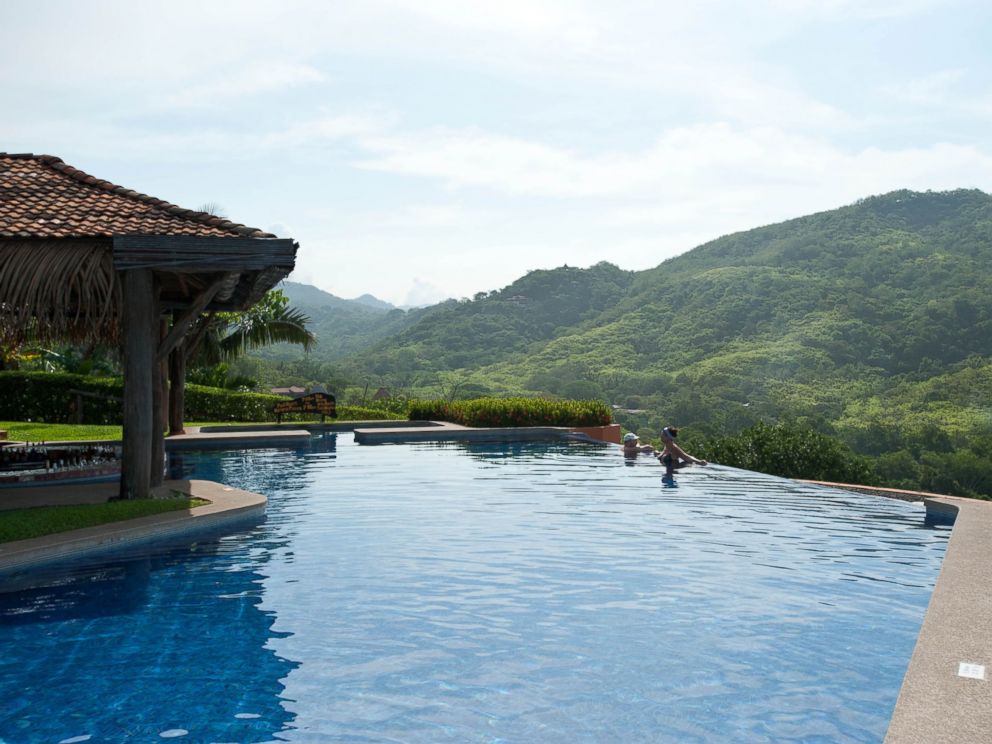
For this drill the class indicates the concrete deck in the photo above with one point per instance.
(946, 695)
(218, 437)
(442, 431)
(892, 493)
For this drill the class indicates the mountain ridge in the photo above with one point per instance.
(795, 318)
(871, 323)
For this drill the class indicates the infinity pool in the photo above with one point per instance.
(492, 593)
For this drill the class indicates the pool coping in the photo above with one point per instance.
(935, 703)
(443, 431)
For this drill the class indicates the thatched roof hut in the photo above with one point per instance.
(84, 259)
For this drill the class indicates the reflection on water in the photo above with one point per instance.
(111, 589)
(133, 648)
(483, 592)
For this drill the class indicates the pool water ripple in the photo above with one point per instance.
(516, 592)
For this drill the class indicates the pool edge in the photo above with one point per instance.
(936, 703)
(228, 507)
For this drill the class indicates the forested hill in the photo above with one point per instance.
(342, 326)
(845, 318)
(517, 320)
(890, 281)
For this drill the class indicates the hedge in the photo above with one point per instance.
(501, 412)
(49, 397)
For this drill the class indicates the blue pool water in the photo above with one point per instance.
(491, 593)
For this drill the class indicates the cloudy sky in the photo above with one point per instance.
(437, 148)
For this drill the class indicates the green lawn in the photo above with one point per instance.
(22, 524)
(27, 431)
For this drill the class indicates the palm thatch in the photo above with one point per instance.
(57, 290)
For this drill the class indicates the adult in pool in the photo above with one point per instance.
(672, 456)
(632, 446)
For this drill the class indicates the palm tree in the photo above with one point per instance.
(219, 336)
(223, 336)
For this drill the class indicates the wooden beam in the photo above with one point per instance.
(183, 323)
(140, 334)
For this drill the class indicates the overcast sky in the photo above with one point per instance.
(434, 148)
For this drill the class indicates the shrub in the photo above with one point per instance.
(500, 412)
(790, 451)
(216, 404)
(358, 413)
(49, 397)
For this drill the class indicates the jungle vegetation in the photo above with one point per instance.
(870, 324)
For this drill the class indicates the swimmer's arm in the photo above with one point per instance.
(681, 453)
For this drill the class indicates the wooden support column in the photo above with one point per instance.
(140, 346)
(174, 347)
(177, 389)
(160, 402)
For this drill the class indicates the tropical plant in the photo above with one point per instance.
(788, 450)
(220, 336)
(499, 412)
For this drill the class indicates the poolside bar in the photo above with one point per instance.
(83, 260)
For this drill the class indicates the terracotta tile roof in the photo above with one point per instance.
(42, 197)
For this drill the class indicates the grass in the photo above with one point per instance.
(23, 524)
(28, 431)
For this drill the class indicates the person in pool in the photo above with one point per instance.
(632, 446)
(674, 457)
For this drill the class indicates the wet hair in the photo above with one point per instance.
(673, 430)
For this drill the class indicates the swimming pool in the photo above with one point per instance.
(484, 592)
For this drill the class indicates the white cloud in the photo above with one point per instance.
(433, 215)
(855, 9)
(478, 158)
(255, 79)
(713, 158)
(210, 142)
(423, 292)
(464, 143)
(280, 230)
(514, 17)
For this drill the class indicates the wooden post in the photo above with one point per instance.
(140, 344)
(177, 390)
(163, 370)
(177, 383)
(159, 404)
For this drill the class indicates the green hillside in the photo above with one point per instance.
(342, 326)
(516, 321)
(871, 323)
(797, 318)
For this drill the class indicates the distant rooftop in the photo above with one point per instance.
(43, 197)
(291, 390)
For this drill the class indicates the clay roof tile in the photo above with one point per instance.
(41, 196)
